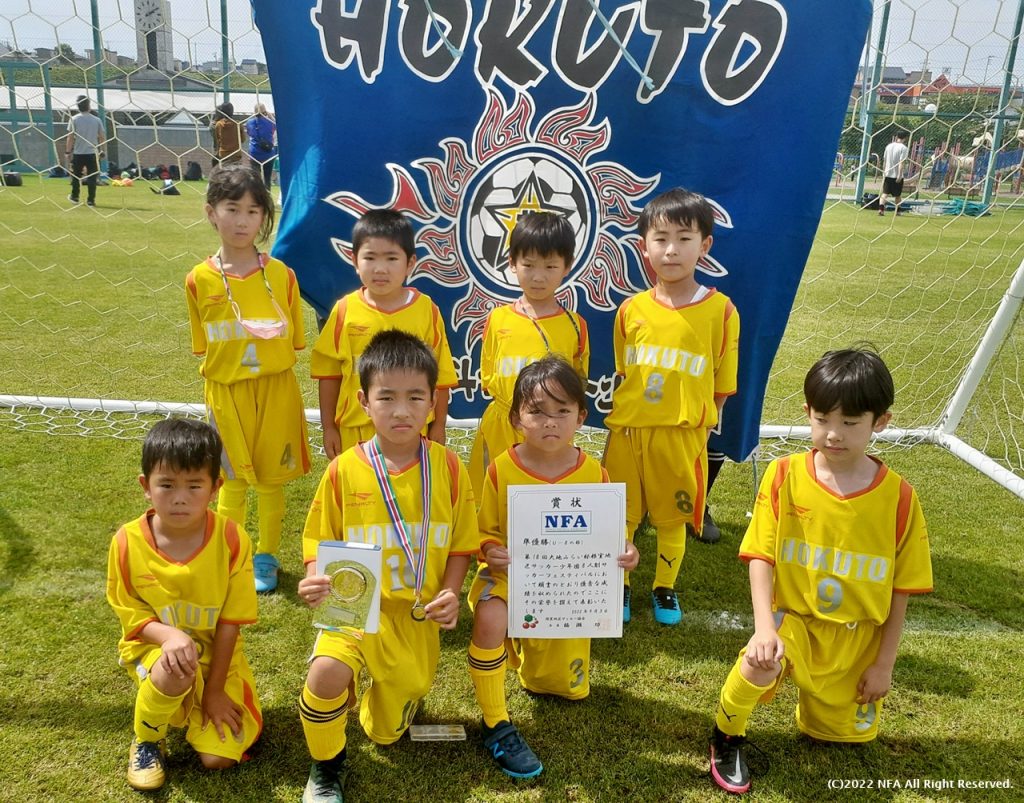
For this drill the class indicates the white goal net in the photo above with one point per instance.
(94, 333)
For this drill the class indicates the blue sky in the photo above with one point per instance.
(969, 37)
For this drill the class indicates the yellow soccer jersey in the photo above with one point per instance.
(838, 558)
(231, 353)
(348, 506)
(347, 332)
(512, 341)
(674, 361)
(213, 585)
(506, 470)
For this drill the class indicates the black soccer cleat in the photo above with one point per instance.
(729, 762)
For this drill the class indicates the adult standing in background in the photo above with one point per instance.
(261, 130)
(228, 135)
(82, 149)
(894, 165)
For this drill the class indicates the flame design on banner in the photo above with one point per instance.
(464, 114)
(475, 197)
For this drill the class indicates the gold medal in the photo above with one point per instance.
(419, 612)
(348, 584)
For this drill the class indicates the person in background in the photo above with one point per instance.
(82, 149)
(228, 136)
(894, 169)
(261, 131)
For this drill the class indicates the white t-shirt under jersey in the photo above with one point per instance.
(896, 154)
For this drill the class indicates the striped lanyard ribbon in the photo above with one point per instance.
(387, 490)
(544, 337)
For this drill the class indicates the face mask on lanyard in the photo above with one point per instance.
(261, 328)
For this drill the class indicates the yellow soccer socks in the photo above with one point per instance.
(323, 723)
(153, 710)
(270, 509)
(231, 500)
(487, 671)
(671, 546)
(737, 701)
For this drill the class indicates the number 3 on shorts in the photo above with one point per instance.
(576, 671)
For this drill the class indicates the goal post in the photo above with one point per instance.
(94, 337)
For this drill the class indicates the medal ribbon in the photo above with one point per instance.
(544, 337)
(387, 490)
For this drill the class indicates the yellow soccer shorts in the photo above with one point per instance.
(665, 470)
(560, 667)
(401, 658)
(262, 423)
(494, 435)
(352, 436)
(239, 686)
(826, 662)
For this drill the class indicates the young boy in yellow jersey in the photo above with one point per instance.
(676, 349)
(412, 497)
(180, 580)
(384, 252)
(541, 251)
(837, 544)
(548, 405)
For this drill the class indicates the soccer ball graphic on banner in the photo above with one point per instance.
(529, 183)
(510, 167)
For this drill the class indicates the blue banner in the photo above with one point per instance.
(464, 114)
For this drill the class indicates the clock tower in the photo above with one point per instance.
(153, 34)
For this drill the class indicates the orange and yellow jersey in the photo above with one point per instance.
(838, 558)
(231, 353)
(347, 332)
(348, 506)
(214, 584)
(507, 470)
(674, 361)
(512, 341)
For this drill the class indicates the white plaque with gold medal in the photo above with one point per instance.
(354, 599)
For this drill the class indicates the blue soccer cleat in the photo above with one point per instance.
(666, 606)
(265, 567)
(511, 751)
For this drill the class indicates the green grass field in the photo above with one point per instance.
(91, 306)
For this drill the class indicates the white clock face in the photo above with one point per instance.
(149, 14)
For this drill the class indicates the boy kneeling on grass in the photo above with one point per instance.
(180, 580)
(837, 544)
(414, 498)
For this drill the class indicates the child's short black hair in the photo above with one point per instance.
(901, 135)
(856, 381)
(182, 444)
(395, 350)
(542, 233)
(386, 224)
(555, 377)
(231, 182)
(679, 206)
